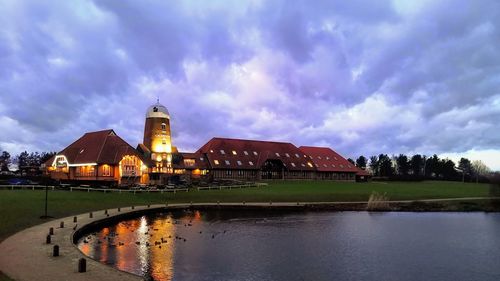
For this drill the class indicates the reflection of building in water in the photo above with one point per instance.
(104, 158)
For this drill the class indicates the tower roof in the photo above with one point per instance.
(157, 111)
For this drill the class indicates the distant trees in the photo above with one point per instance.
(361, 162)
(480, 169)
(351, 161)
(4, 161)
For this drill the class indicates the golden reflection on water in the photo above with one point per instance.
(132, 241)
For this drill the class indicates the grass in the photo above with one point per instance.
(20, 209)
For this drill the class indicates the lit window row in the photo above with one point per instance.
(216, 162)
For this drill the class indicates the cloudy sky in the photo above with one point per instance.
(363, 77)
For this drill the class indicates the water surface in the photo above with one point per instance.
(229, 245)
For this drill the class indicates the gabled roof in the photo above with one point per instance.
(101, 147)
(327, 160)
(200, 161)
(251, 154)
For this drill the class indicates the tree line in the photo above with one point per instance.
(25, 161)
(419, 167)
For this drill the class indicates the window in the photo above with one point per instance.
(324, 165)
(211, 151)
(317, 165)
(277, 154)
(287, 155)
(245, 152)
(255, 153)
(202, 159)
(222, 152)
(189, 162)
(309, 164)
(319, 157)
(240, 173)
(341, 166)
(106, 171)
(293, 164)
(164, 141)
(234, 152)
(302, 164)
(296, 155)
(239, 162)
(333, 165)
(227, 162)
(216, 162)
(250, 162)
(163, 126)
(305, 156)
(327, 158)
(229, 172)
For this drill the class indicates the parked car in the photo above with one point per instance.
(18, 181)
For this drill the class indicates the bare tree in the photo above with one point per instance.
(480, 169)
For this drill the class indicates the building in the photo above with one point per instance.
(103, 157)
(99, 157)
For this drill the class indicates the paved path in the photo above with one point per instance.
(25, 256)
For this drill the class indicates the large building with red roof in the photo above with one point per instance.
(103, 157)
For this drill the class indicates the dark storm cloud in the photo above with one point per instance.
(364, 77)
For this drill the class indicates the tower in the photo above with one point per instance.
(157, 137)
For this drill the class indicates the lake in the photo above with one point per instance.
(272, 245)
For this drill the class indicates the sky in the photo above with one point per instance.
(361, 77)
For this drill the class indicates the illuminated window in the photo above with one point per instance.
(164, 141)
(250, 162)
(228, 163)
(309, 164)
(211, 151)
(296, 155)
(255, 153)
(302, 164)
(202, 159)
(287, 155)
(305, 156)
(277, 154)
(188, 162)
(239, 162)
(293, 164)
(216, 162)
(222, 152)
(106, 171)
(327, 158)
(245, 152)
(81, 151)
(163, 126)
(234, 152)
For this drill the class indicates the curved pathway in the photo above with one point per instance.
(25, 256)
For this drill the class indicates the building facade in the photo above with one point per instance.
(104, 157)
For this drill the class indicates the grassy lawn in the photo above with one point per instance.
(22, 208)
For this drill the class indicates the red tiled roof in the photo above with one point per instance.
(327, 160)
(101, 147)
(254, 152)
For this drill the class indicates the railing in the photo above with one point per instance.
(220, 187)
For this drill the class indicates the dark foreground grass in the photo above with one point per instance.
(20, 209)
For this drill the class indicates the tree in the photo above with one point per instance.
(432, 166)
(466, 167)
(350, 160)
(22, 160)
(385, 166)
(361, 162)
(4, 161)
(416, 164)
(374, 165)
(480, 169)
(402, 163)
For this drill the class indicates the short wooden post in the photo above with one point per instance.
(91, 215)
(55, 251)
(61, 225)
(133, 207)
(106, 211)
(74, 219)
(82, 265)
(51, 231)
(119, 210)
(48, 239)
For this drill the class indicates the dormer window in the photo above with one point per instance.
(277, 154)
(287, 155)
(239, 162)
(227, 162)
(255, 153)
(216, 162)
(222, 152)
(245, 152)
(250, 162)
(293, 164)
(296, 155)
(234, 152)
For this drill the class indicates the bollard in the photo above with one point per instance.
(74, 219)
(82, 265)
(91, 215)
(48, 240)
(61, 225)
(133, 207)
(106, 211)
(119, 210)
(149, 205)
(55, 251)
(51, 231)
(243, 202)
